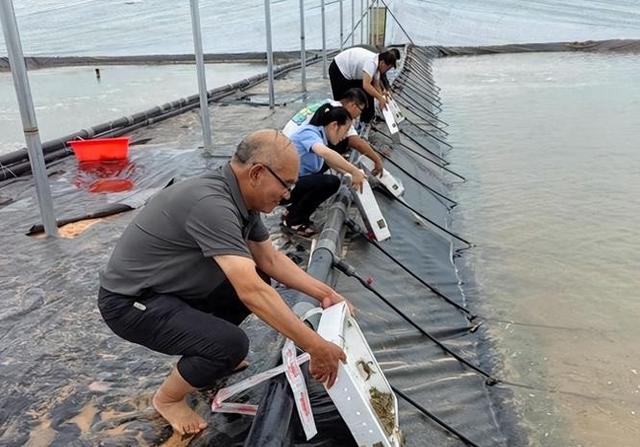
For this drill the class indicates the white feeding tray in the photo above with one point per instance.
(395, 109)
(371, 213)
(361, 392)
(392, 184)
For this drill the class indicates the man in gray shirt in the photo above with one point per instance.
(192, 265)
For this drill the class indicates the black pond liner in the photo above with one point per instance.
(457, 395)
(57, 364)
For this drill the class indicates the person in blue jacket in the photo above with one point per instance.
(329, 125)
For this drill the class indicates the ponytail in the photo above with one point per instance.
(328, 114)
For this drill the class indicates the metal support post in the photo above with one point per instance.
(341, 25)
(202, 80)
(353, 22)
(303, 56)
(28, 116)
(267, 17)
(324, 41)
(362, 21)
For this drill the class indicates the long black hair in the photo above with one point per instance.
(327, 114)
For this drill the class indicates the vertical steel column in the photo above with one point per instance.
(341, 25)
(202, 80)
(303, 56)
(267, 18)
(324, 42)
(374, 27)
(369, 22)
(353, 22)
(28, 116)
(362, 21)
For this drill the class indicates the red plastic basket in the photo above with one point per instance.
(101, 149)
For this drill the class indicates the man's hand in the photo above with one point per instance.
(383, 102)
(357, 179)
(324, 361)
(334, 297)
(377, 167)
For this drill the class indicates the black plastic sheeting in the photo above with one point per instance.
(412, 363)
(38, 62)
(55, 361)
(66, 380)
(74, 185)
(615, 45)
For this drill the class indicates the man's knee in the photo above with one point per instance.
(235, 345)
(202, 369)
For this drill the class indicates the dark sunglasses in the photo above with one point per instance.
(288, 186)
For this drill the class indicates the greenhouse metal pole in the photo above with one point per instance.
(324, 41)
(362, 21)
(267, 17)
(353, 22)
(368, 31)
(202, 80)
(303, 57)
(28, 116)
(374, 26)
(341, 24)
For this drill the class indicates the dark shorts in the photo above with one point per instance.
(204, 332)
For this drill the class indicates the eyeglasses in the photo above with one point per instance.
(360, 109)
(288, 186)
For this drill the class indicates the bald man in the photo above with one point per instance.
(197, 260)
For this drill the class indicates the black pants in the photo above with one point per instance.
(309, 193)
(204, 332)
(339, 86)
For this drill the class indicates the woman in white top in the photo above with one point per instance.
(359, 67)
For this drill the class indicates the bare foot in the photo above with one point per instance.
(182, 418)
(241, 367)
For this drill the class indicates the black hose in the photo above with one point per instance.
(419, 106)
(432, 136)
(351, 272)
(425, 120)
(435, 224)
(420, 80)
(445, 162)
(417, 180)
(416, 111)
(356, 229)
(433, 417)
(408, 99)
(418, 72)
(410, 84)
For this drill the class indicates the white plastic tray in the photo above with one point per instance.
(370, 212)
(392, 184)
(358, 380)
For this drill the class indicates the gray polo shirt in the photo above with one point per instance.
(169, 245)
